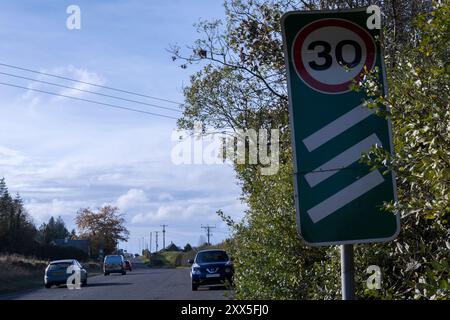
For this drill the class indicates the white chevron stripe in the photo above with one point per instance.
(345, 196)
(342, 160)
(337, 126)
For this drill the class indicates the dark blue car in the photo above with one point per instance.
(211, 267)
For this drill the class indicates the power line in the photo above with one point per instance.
(90, 101)
(91, 84)
(88, 91)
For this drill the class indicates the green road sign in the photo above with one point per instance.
(338, 198)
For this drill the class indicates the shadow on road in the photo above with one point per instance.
(135, 273)
(107, 284)
(212, 288)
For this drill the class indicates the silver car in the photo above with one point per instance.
(114, 264)
(57, 272)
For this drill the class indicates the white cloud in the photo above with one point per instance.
(126, 169)
(132, 199)
(165, 197)
(191, 213)
(10, 157)
(42, 211)
(166, 213)
(80, 75)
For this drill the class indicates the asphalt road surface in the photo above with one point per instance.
(141, 283)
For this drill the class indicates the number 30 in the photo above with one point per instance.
(328, 59)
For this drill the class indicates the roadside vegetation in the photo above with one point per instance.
(243, 85)
(22, 273)
(26, 249)
(177, 258)
(19, 234)
(103, 228)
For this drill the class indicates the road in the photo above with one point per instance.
(142, 283)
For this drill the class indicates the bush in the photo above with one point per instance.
(51, 252)
(157, 260)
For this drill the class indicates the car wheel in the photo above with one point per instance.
(48, 285)
(194, 287)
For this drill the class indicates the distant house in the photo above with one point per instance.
(172, 247)
(83, 245)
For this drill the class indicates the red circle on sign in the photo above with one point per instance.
(303, 72)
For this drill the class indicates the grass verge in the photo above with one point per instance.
(21, 273)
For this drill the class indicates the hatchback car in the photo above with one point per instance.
(211, 267)
(57, 272)
(114, 264)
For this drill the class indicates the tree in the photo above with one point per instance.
(419, 104)
(73, 235)
(104, 228)
(17, 231)
(243, 85)
(6, 211)
(52, 230)
(187, 248)
(202, 241)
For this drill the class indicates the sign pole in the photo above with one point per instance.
(347, 272)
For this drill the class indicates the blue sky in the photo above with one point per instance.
(61, 155)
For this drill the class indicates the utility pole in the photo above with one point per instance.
(150, 242)
(164, 234)
(208, 232)
(156, 232)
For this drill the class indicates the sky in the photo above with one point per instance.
(62, 155)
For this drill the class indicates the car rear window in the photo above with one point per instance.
(113, 259)
(59, 266)
(212, 256)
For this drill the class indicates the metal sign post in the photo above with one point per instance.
(347, 272)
